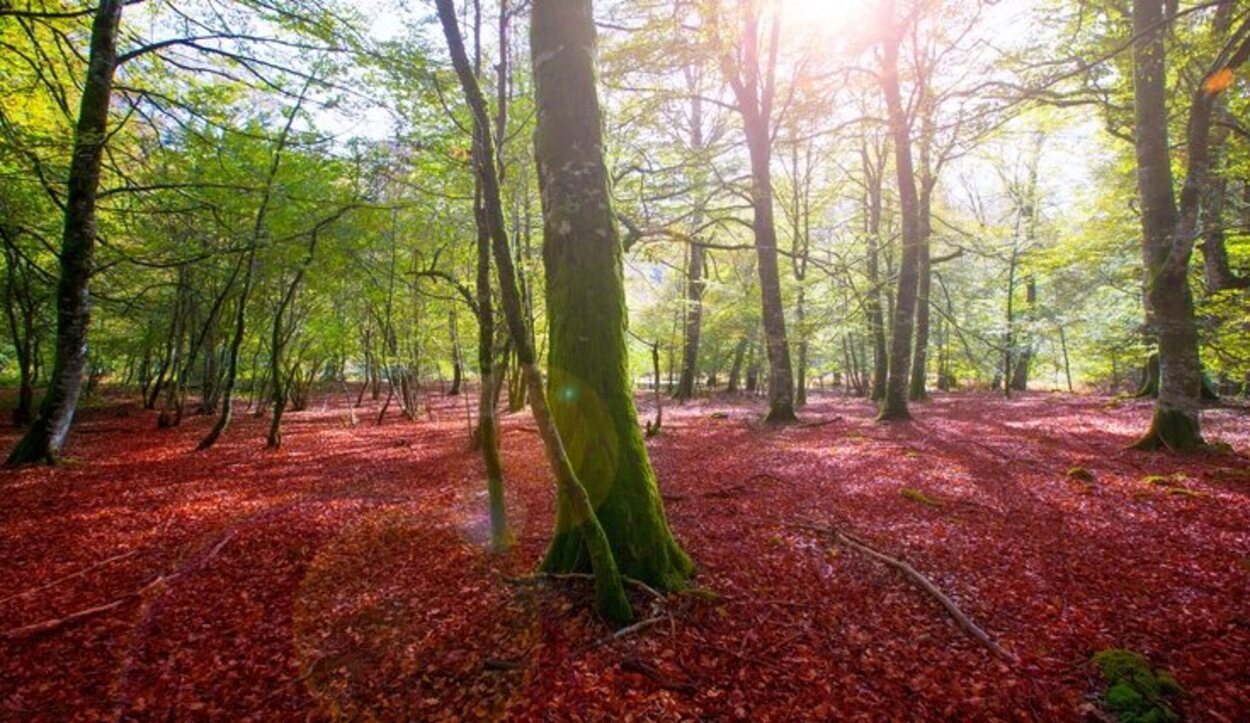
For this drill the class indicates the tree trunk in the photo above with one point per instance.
(894, 407)
(735, 368)
(695, 271)
(920, 354)
(1020, 375)
(501, 536)
(876, 317)
(589, 384)
(46, 435)
(754, 92)
(1166, 250)
(457, 366)
(694, 324)
(554, 67)
(249, 275)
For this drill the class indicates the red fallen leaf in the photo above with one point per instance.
(380, 540)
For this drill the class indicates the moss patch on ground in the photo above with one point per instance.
(915, 495)
(1136, 692)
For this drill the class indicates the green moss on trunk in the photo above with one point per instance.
(1172, 429)
(589, 383)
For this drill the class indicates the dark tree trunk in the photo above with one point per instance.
(457, 366)
(1020, 375)
(735, 367)
(694, 324)
(21, 310)
(46, 436)
(1169, 232)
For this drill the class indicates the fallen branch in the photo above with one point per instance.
(638, 665)
(49, 625)
(820, 423)
(71, 576)
(925, 584)
(57, 623)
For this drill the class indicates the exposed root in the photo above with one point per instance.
(539, 577)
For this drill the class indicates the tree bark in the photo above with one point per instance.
(754, 92)
(695, 272)
(46, 436)
(547, 46)
(1168, 232)
(874, 177)
(589, 384)
(894, 406)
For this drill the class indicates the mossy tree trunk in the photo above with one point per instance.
(589, 386)
(610, 598)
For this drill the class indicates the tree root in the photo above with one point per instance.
(538, 577)
(923, 582)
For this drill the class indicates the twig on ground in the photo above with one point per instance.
(640, 625)
(57, 623)
(923, 582)
(71, 576)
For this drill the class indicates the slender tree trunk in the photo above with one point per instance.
(694, 323)
(919, 360)
(249, 275)
(457, 367)
(46, 435)
(501, 536)
(1067, 366)
(1020, 376)
(20, 310)
(735, 367)
(695, 271)
(654, 428)
(753, 81)
(876, 318)
(894, 407)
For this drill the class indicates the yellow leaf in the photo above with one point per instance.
(1218, 81)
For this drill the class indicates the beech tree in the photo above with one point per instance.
(46, 435)
(589, 384)
(1170, 225)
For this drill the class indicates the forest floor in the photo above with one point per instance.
(347, 575)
